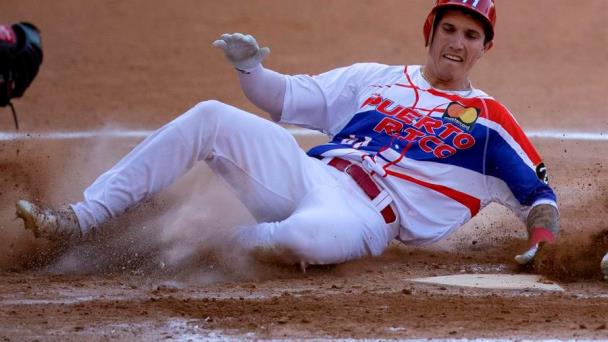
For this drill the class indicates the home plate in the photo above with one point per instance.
(494, 281)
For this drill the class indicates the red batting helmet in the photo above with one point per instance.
(483, 9)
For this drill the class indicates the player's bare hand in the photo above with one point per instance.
(242, 50)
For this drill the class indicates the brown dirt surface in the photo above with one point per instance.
(163, 271)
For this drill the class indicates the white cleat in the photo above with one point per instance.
(604, 266)
(58, 226)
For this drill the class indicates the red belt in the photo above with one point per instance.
(365, 182)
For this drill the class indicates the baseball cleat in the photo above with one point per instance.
(604, 266)
(59, 225)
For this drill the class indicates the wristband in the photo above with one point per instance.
(249, 70)
(540, 234)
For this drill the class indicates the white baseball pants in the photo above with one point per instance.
(308, 210)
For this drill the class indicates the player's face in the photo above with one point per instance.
(458, 43)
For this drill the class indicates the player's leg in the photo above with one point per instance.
(268, 171)
(309, 212)
(152, 165)
(257, 157)
(250, 151)
(332, 224)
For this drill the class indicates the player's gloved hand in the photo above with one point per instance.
(242, 50)
(538, 237)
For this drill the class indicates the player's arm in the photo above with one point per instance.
(263, 87)
(321, 102)
(530, 191)
(516, 163)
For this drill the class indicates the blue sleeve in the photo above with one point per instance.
(527, 181)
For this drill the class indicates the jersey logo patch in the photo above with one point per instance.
(541, 173)
(464, 117)
(435, 136)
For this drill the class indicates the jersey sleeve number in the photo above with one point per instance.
(356, 142)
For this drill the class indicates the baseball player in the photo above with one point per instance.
(415, 151)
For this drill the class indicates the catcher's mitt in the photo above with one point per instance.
(20, 59)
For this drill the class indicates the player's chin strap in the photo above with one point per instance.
(14, 115)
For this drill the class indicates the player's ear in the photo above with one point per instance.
(487, 46)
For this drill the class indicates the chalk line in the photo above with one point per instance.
(298, 132)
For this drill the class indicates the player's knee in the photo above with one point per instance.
(208, 110)
(208, 113)
(210, 106)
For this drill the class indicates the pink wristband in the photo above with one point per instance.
(540, 234)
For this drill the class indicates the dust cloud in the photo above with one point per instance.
(573, 257)
(184, 231)
(583, 241)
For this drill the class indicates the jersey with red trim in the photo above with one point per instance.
(442, 156)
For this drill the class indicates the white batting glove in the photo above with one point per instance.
(242, 50)
(528, 256)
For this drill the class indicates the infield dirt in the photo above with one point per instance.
(158, 273)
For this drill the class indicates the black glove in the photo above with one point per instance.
(20, 59)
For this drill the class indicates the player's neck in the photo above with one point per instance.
(445, 84)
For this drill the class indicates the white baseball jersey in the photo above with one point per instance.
(441, 155)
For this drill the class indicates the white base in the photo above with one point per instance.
(493, 281)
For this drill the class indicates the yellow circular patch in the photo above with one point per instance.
(469, 116)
